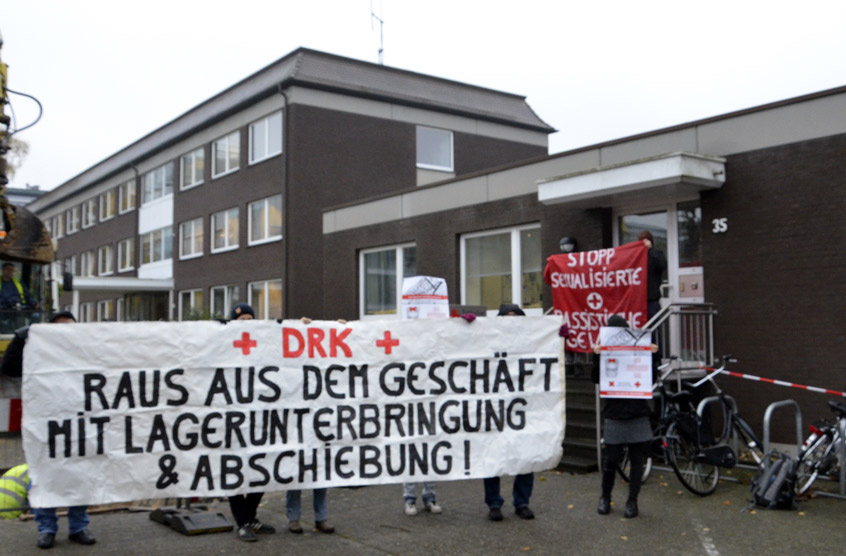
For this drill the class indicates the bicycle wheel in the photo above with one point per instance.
(808, 468)
(624, 469)
(696, 476)
(748, 438)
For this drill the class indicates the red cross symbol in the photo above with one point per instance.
(637, 384)
(611, 383)
(387, 343)
(245, 343)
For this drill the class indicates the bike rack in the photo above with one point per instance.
(768, 415)
(700, 409)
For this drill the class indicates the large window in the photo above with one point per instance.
(105, 261)
(266, 137)
(157, 183)
(226, 154)
(382, 271)
(89, 213)
(126, 196)
(157, 245)
(72, 223)
(223, 298)
(266, 299)
(59, 225)
(87, 263)
(106, 310)
(504, 266)
(126, 255)
(191, 305)
(107, 205)
(191, 239)
(224, 230)
(434, 149)
(266, 220)
(192, 165)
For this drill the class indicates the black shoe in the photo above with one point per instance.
(245, 533)
(631, 509)
(604, 507)
(495, 514)
(82, 537)
(524, 512)
(261, 528)
(46, 540)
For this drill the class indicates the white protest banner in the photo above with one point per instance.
(128, 411)
(625, 363)
(424, 297)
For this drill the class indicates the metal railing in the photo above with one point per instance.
(687, 331)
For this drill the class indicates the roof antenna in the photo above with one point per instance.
(381, 23)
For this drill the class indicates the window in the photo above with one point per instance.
(87, 263)
(226, 153)
(266, 220)
(266, 299)
(70, 265)
(504, 266)
(59, 225)
(89, 213)
(223, 298)
(224, 230)
(106, 310)
(72, 223)
(191, 305)
(382, 271)
(192, 165)
(86, 312)
(105, 261)
(157, 245)
(434, 149)
(191, 239)
(126, 196)
(157, 183)
(266, 137)
(126, 255)
(107, 205)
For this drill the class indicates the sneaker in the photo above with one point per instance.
(295, 527)
(495, 514)
(604, 507)
(631, 509)
(46, 540)
(82, 537)
(410, 508)
(261, 528)
(246, 534)
(323, 527)
(433, 507)
(524, 512)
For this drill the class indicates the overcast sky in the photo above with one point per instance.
(108, 72)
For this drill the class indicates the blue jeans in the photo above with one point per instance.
(521, 491)
(47, 521)
(294, 506)
(409, 492)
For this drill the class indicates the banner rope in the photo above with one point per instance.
(777, 382)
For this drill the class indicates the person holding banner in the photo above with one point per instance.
(626, 425)
(244, 506)
(656, 265)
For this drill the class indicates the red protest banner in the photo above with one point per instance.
(589, 287)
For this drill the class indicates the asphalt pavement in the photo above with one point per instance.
(371, 521)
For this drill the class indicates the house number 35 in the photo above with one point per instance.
(720, 225)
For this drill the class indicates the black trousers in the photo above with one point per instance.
(244, 507)
(613, 457)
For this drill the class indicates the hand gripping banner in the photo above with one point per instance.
(127, 411)
(589, 287)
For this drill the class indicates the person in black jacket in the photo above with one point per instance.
(626, 425)
(656, 266)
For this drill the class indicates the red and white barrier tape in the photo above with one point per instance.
(779, 382)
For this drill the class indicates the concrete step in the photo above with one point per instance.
(575, 464)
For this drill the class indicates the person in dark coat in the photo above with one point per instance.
(656, 266)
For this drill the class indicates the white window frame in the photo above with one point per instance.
(194, 227)
(399, 277)
(87, 263)
(126, 191)
(228, 301)
(193, 294)
(262, 310)
(107, 201)
(227, 247)
(235, 137)
(72, 220)
(154, 175)
(516, 270)
(103, 306)
(266, 238)
(105, 261)
(427, 166)
(122, 247)
(86, 312)
(165, 233)
(191, 158)
(265, 122)
(59, 226)
(89, 213)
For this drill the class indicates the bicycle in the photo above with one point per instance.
(820, 451)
